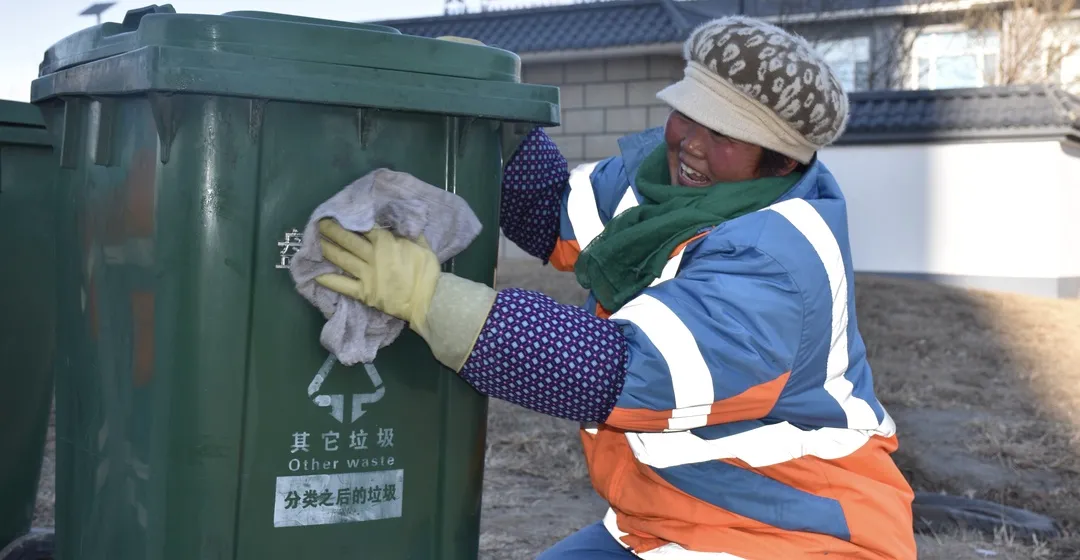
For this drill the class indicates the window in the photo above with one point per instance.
(1067, 68)
(1070, 72)
(849, 59)
(954, 60)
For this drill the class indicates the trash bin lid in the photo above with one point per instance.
(281, 36)
(22, 123)
(15, 113)
(282, 57)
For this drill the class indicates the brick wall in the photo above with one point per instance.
(602, 100)
(605, 99)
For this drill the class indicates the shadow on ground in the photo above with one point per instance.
(984, 388)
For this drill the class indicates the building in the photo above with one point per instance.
(984, 181)
(610, 58)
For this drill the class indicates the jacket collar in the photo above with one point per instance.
(635, 147)
(817, 183)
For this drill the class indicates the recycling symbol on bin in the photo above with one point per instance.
(336, 403)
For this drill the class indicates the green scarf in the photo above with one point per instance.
(635, 245)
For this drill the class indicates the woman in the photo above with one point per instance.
(727, 405)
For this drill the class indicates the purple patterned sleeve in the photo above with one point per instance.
(533, 183)
(552, 358)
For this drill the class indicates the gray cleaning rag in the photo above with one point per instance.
(409, 207)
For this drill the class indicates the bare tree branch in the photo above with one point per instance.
(1035, 37)
(891, 38)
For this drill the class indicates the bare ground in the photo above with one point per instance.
(984, 388)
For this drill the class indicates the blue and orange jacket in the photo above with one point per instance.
(747, 426)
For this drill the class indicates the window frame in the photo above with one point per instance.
(854, 60)
(980, 55)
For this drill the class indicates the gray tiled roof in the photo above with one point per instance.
(978, 113)
(705, 9)
(610, 23)
(578, 26)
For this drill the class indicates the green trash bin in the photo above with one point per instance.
(27, 304)
(198, 415)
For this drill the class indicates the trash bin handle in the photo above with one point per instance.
(133, 17)
(102, 41)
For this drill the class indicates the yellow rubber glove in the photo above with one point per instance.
(392, 274)
(401, 277)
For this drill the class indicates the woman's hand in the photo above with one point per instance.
(401, 277)
(392, 274)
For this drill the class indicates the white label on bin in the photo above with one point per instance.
(330, 499)
(288, 247)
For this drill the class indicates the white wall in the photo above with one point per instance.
(997, 209)
(1069, 211)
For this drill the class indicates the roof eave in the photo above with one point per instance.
(570, 55)
(872, 12)
(1059, 133)
(489, 15)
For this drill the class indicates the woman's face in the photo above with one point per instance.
(699, 157)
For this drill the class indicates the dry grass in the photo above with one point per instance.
(1005, 366)
(964, 545)
(947, 347)
(536, 486)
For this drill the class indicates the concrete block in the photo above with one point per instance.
(583, 121)
(572, 97)
(551, 73)
(508, 250)
(585, 71)
(632, 68)
(630, 119)
(605, 95)
(644, 93)
(658, 116)
(571, 147)
(666, 67)
(599, 146)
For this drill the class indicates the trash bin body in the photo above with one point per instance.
(198, 415)
(27, 309)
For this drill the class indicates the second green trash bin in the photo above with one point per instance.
(191, 387)
(27, 316)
